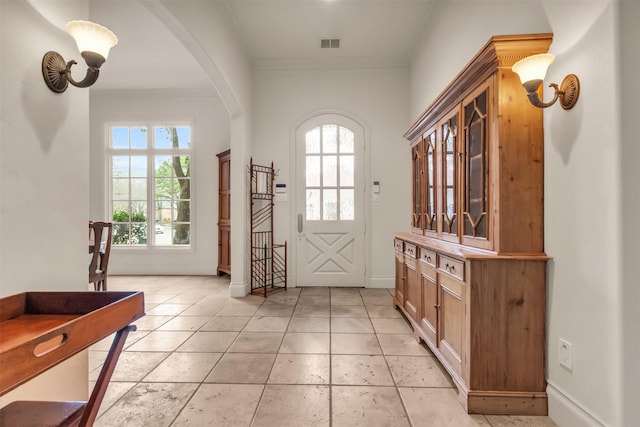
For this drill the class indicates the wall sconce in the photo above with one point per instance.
(94, 42)
(532, 70)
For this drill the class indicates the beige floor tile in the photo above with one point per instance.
(275, 310)
(402, 345)
(161, 341)
(378, 300)
(267, 324)
(352, 325)
(360, 370)
(157, 298)
(213, 342)
(168, 309)
(293, 406)
(203, 310)
(149, 323)
(309, 324)
(221, 405)
(312, 310)
(374, 292)
(355, 344)
(367, 407)
(239, 310)
(224, 323)
(315, 291)
(96, 359)
(115, 391)
(349, 311)
(437, 407)
(133, 366)
(301, 369)
(243, 368)
(132, 338)
(391, 326)
(305, 299)
(346, 299)
(518, 420)
(383, 311)
(185, 299)
(148, 404)
(418, 371)
(184, 323)
(257, 342)
(184, 367)
(305, 342)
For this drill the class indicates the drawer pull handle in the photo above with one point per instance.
(436, 306)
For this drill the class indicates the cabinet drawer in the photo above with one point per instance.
(410, 250)
(399, 245)
(428, 256)
(452, 266)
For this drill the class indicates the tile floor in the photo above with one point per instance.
(307, 357)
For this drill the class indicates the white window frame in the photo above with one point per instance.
(150, 152)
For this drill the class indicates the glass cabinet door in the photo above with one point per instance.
(449, 154)
(430, 216)
(476, 168)
(417, 170)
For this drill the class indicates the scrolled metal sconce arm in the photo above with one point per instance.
(567, 93)
(57, 72)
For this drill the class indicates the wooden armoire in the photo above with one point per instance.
(224, 212)
(470, 274)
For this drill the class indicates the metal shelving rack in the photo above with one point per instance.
(268, 260)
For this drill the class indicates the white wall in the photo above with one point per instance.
(377, 98)
(44, 157)
(583, 206)
(205, 112)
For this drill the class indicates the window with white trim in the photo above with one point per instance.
(150, 185)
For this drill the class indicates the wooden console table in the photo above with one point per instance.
(38, 330)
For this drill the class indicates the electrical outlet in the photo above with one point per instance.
(565, 354)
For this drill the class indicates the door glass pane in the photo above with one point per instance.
(329, 205)
(476, 171)
(120, 166)
(330, 139)
(347, 208)
(313, 205)
(312, 141)
(313, 171)
(347, 171)
(449, 135)
(329, 171)
(346, 140)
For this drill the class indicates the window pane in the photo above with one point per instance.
(139, 137)
(139, 166)
(120, 189)
(139, 189)
(181, 234)
(313, 171)
(329, 171)
(163, 137)
(183, 188)
(120, 137)
(330, 205)
(120, 166)
(347, 171)
(162, 165)
(312, 141)
(346, 140)
(120, 207)
(330, 139)
(347, 209)
(313, 204)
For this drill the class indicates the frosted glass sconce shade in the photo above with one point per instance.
(94, 43)
(532, 71)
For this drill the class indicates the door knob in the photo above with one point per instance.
(299, 223)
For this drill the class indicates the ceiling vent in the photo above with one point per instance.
(330, 43)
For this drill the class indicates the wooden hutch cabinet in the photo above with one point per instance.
(470, 276)
(224, 212)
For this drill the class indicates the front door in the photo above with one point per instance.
(330, 202)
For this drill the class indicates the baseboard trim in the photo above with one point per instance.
(238, 289)
(564, 410)
(382, 282)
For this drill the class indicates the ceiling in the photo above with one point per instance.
(274, 33)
